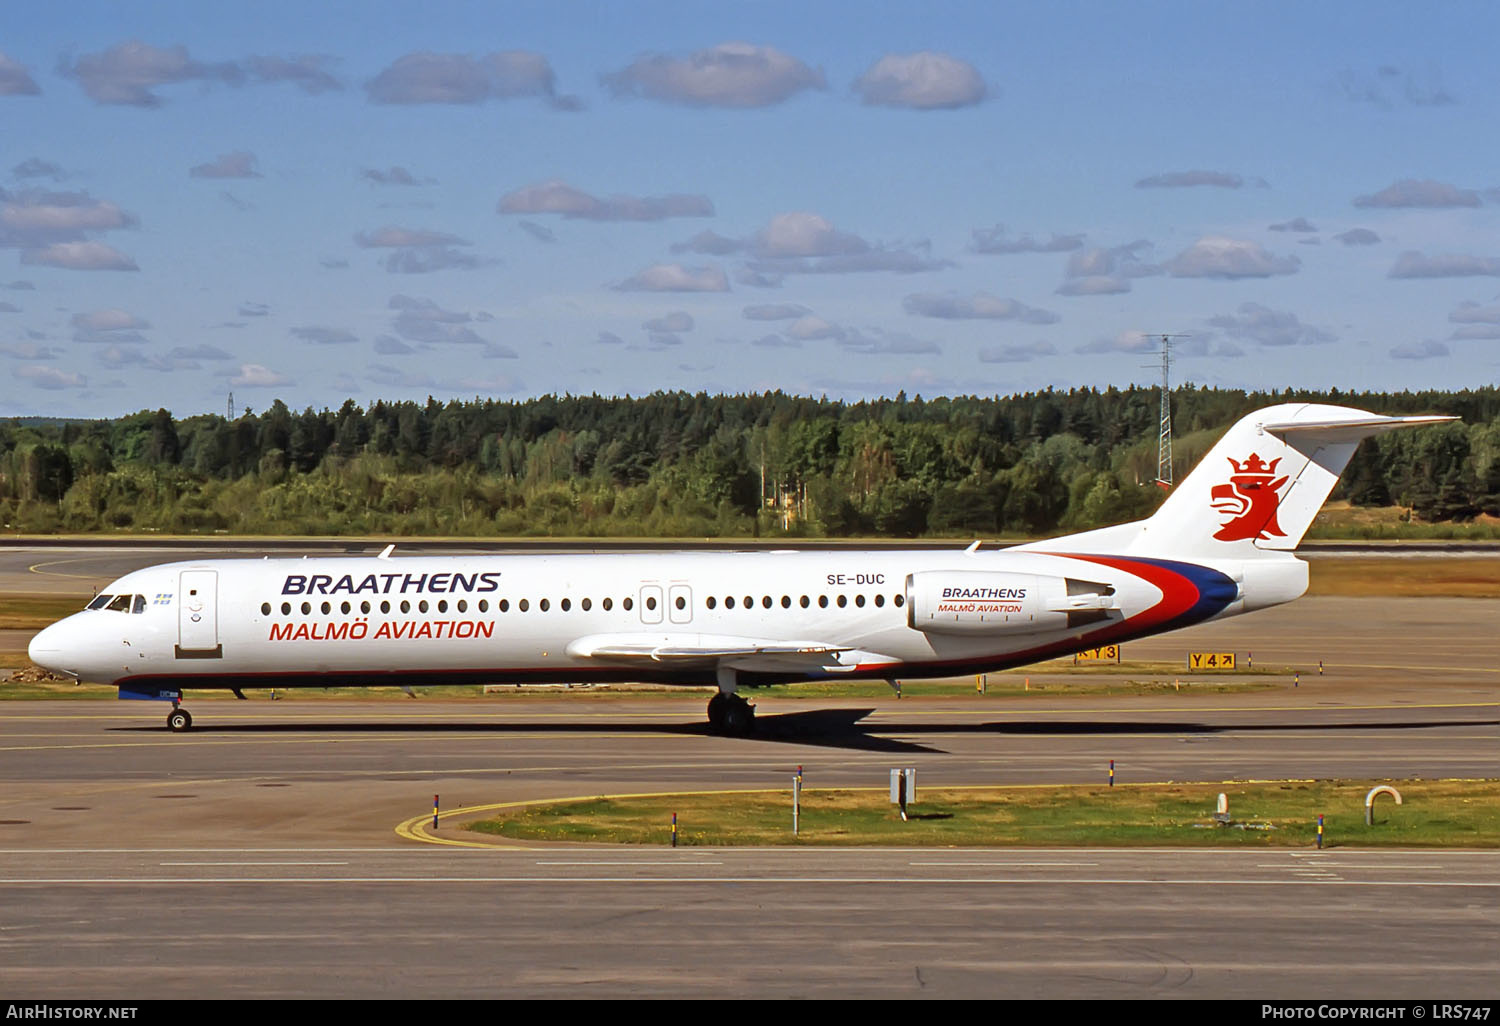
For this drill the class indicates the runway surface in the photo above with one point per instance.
(258, 856)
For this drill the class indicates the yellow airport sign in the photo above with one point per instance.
(1102, 654)
(1210, 661)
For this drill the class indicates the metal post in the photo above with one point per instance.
(434, 811)
(796, 801)
(1111, 773)
(1320, 830)
(674, 829)
(1297, 679)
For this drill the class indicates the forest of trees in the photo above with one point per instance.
(675, 464)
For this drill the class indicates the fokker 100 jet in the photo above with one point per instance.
(1220, 545)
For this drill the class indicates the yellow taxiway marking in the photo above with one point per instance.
(36, 568)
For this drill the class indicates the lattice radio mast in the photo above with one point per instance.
(1164, 438)
(229, 408)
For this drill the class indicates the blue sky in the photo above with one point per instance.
(375, 200)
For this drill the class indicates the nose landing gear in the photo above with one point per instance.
(179, 719)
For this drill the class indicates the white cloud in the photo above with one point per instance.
(879, 341)
(255, 375)
(673, 322)
(775, 312)
(980, 306)
(390, 236)
(1409, 192)
(36, 167)
(1473, 313)
(805, 235)
(422, 320)
(558, 197)
(50, 378)
(395, 176)
(1296, 224)
(1264, 326)
(923, 81)
(324, 336)
(1189, 179)
(1124, 342)
(80, 256)
(1094, 285)
(710, 243)
(308, 73)
(127, 72)
(677, 278)
(35, 217)
(1358, 237)
(15, 80)
(1412, 264)
(1215, 256)
(29, 351)
(1419, 350)
(810, 327)
(426, 77)
(1103, 271)
(994, 240)
(728, 75)
(238, 164)
(109, 320)
(1023, 353)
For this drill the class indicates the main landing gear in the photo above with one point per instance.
(179, 719)
(728, 713)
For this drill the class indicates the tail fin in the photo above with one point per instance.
(1261, 485)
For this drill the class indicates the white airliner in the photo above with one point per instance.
(1219, 546)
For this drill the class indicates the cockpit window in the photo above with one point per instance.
(100, 601)
(139, 605)
(121, 604)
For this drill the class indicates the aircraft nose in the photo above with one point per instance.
(49, 646)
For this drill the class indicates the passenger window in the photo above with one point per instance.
(265, 609)
(710, 602)
(786, 602)
(899, 600)
(587, 604)
(484, 605)
(729, 602)
(405, 606)
(344, 608)
(859, 600)
(650, 602)
(766, 601)
(306, 608)
(327, 609)
(681, 602)
(286, 609)
(749, 602)
(100, 601)
(609, 604)
(139, 605)
(385, 605)
(523, 605)
(463, 606)
(803, 601)
(566, 604)
(627, 603)
(442, 605)
(504, 605)
(880, 600)
(843, 601)
(822, 601)
(544, 605)
(364, 607)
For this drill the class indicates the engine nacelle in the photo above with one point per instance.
(983, 602)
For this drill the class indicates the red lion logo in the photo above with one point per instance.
(1249, 500)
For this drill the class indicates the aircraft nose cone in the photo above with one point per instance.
(46, 648)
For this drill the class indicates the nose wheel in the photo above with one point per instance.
(179, 720)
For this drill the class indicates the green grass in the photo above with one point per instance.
(1435, 814)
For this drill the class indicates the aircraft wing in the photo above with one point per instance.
(687, 649)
